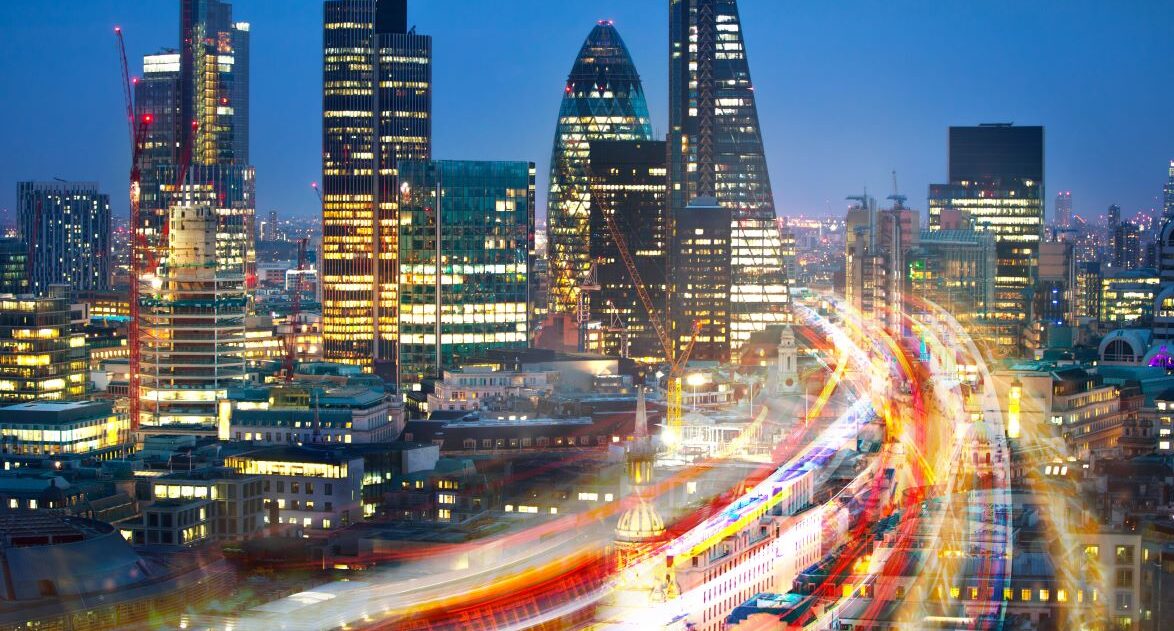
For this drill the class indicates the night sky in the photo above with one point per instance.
(847, 91)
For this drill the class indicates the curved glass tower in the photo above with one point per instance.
(603, 100)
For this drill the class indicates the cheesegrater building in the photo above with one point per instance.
(376, 112)
(603, 100)
(716, 151)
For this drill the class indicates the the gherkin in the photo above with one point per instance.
(602, 100)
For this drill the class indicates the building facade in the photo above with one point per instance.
(87, 428)
(197, 97)
(466, 230)
(41, 357)
(193, 329)
(603, 100)
(996, 177)
(14, 266)
(65, 227)
(701, 279)
(628, 182)
(376, 112)
(716, 151)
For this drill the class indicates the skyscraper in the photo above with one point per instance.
(1168, 204)
(466, 230)
(701, 267)
(1062, 217)
(996, 176)
(603, 100)
(376, 112)
(198, 99)
(716, 151)
(628, 181)
(193, 318)
(65, 227)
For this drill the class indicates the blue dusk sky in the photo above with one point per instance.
(848, 91)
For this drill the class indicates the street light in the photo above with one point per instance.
(694, 380)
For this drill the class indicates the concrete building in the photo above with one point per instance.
(483, 387)
(193, 330)
(320, 415)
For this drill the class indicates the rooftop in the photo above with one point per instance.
(49, 413)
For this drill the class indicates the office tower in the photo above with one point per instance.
(716, 151)
(65, 227)
(376, 112)
(1128, 296)
(466, 230)
(1056, 285)
(1126, 246)
(41, 358)
(1168, 197)
(602, 100)
(14, 263)
(701, 235)
(1062, 218)
(1088, 290)
(269, 230)
(628, 182)
(956, 269)
(193, 319)
(996, 177)
(1113, 216)
(857, 243)
(198, 99)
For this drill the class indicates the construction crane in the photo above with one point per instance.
(138, 130)
(676, 361)
(898, 199)
(143, 256)
(583, 311)
(617, 325)
(295, 309)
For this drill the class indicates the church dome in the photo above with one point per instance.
(639, 523)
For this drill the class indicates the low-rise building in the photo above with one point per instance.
(234, 501)
(312, 488)
(486, 387)
(91, 428)
(311, 414)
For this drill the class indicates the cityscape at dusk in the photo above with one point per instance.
(694, 315)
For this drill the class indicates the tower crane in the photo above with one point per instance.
(138, 131)
(676, 361)
(143, 257)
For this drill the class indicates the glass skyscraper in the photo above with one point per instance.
(716, 151)
(198, 98)
(603, 100)
(996, 178)
(65, 227)
(466, 231)
(628, 180)
(376, 112)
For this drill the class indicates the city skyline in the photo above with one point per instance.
(814, 157)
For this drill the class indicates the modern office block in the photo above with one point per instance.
(376, 112)
(996, 177)
(41, 358)
(701, 276)
(465, 233)
(628, 182)
(65, 228)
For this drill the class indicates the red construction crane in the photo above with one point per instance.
(295, 309)
(138, 130)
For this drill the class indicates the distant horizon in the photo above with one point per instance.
(840, 108)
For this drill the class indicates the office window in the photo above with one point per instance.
(1125, 555)
(1124, 577)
